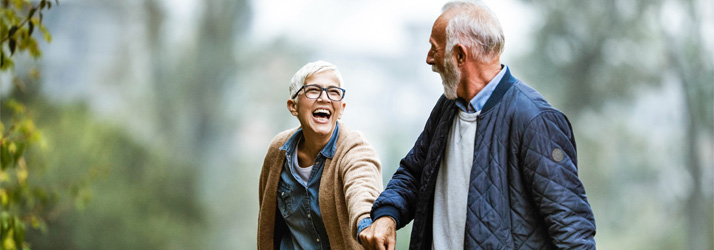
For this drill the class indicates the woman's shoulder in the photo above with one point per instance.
(281, 138)
(349, 136)
(351, 139)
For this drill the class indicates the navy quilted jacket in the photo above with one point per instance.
(524, 191)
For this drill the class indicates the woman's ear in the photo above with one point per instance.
(343, 109)
(292, 107)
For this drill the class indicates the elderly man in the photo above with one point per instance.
(495, 166)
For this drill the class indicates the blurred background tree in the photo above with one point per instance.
(601, 63)
(50, 180)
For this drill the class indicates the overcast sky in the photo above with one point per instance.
(371, 26)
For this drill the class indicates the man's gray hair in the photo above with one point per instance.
(475, 26)
(310, 69)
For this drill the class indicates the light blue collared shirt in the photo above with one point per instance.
(477, 103)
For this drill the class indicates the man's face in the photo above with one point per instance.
(441, 62)
(450, 78)
(318, 116)
(437, 40)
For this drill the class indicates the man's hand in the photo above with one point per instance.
(382, 235)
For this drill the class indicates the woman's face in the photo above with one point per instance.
(318, 116)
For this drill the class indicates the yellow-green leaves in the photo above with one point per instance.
(21, 201)
(17, 24)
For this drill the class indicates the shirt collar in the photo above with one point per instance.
(328, 151)
(477, 103)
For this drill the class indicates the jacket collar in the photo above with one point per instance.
(506, 82)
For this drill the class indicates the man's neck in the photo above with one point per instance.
(477, 78)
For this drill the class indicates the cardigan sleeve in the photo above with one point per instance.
(362, 180)
(271, 157)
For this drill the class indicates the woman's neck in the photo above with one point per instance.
(309, 147)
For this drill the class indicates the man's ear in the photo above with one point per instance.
(459, 53)
(292, 107)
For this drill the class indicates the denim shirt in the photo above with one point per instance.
(298, 201)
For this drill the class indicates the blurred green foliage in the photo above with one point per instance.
(19, 20)
(142, 200)
(88, 184)
(24, 202)
(79, 182)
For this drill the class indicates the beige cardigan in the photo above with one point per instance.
(350, 183)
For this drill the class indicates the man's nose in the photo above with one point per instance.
(429, 58)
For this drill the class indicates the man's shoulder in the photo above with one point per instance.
(529, 100)
(522, 104)
(443, 106)
(443, 103)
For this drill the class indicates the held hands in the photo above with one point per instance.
(382, 235)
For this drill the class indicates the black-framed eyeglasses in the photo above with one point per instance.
(313, 92)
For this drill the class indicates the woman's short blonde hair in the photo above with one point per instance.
(310, 69)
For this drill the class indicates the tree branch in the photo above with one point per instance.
(32, 11)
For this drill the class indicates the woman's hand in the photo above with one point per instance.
(382, 234)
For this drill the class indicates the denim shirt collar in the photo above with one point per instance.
(328, 151)
(477, 103)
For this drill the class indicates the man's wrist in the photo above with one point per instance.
(388, 211)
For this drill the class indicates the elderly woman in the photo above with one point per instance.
(319, 180)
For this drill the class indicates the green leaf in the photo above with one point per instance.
(20, 150)
(4, 157)
(32, 12)
(44, 30)
(8, 243)
(19, 231)
(5, 219)
(11, 44)
(30, 28)
(12, 31)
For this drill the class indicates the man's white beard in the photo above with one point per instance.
(450, 78)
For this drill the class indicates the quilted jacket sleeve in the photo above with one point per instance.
(400, 196)
(550, 173)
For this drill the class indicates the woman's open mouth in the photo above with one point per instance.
(321, 115)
